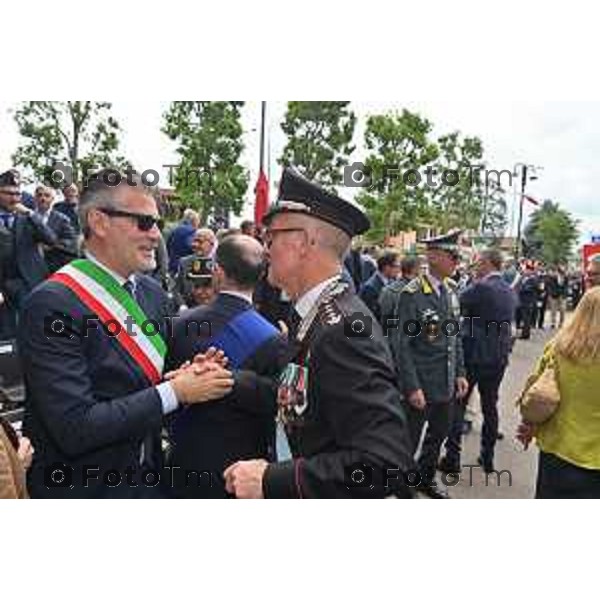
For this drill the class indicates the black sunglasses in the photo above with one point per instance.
(144, 222)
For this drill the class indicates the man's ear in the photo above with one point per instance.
(97, 222)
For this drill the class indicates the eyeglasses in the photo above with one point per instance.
(144, 222)
(270, 234)
(13, 194)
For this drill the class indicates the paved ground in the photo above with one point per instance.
(510, 454)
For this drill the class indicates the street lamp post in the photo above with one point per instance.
(528, 173)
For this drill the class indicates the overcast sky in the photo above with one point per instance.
(562, 137)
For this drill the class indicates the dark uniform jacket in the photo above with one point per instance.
(430, 361)
(348, 427)
(389, 301)
(213, 436)
(87, 402)
(489, 306)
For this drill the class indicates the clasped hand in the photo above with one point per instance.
(204, 379)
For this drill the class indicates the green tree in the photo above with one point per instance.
(457, 198)
(551, 234)
(319, 139)
(495, 212)
(209, 136)
(398, 146)
(82, 135)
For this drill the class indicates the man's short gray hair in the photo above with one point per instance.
(102, 191)
(334, 240)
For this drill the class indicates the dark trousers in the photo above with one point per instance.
(437, 416)
(488, 380)
(538, 316)
(525, 316)
(560, 480)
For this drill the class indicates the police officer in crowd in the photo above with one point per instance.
(337, 398)
(200, 288)
(430, 355)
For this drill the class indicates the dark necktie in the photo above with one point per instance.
(129, 287)
(293, 321)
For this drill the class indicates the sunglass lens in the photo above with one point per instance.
(146, 223)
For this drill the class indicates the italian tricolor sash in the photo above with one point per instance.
(103, 295)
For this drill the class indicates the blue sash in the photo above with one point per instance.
(241, 337)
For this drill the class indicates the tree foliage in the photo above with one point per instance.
(397, 145)
(551, 234)
(417, 182)
(319, 139)
(80, 134)
(209, 137)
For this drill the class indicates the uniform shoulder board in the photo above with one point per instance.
(331, 311)
(413, 287)
(452, 285)
(395, 287)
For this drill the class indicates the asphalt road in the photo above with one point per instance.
(510, 455)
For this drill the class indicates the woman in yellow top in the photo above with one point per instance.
(569, 443)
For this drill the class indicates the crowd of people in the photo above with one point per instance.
(161, 363)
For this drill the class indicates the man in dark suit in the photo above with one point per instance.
(69, 207)
(387, 272)
(527, 288)
(210, 438)
(23, 266)
(93, 366)
(337, 396)
(489, 306)
(65, 249)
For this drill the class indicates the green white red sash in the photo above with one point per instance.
(103, 295)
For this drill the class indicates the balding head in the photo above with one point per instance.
(240, 263)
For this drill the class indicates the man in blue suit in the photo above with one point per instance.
(209, 438)
(92, 344)
(388, 269)
(489, 307)
(22, 265)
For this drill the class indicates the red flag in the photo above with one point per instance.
(261, 205)
(532, 200)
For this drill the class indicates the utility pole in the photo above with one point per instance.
(520, 222)
(263, 126)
